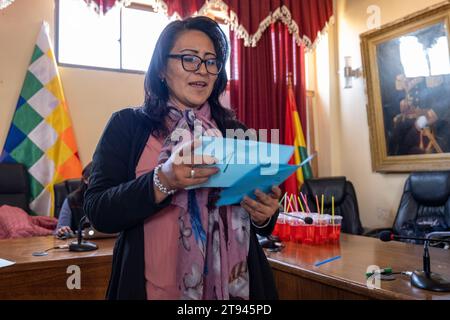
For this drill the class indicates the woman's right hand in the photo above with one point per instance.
(176, 171)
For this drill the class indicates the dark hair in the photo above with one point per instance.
(77, 196)
(156, 91)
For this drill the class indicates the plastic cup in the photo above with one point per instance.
(293, 222)
(297, 227)
(301, 231)
(277, 229)
(321, 235)
(283, 227)
(310, 229)
(334, 229)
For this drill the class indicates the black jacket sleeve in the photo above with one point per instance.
(115, 200)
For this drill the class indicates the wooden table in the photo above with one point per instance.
(46, 277)
(297, 278)
(295, 275)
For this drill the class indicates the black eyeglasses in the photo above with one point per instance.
(192, 63)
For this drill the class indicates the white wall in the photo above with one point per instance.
(92, 95)
(344, 136)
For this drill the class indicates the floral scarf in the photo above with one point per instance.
(213, 242)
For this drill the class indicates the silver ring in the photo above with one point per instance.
(192, 173)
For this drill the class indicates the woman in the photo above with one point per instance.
(72, 208)
(175, 244)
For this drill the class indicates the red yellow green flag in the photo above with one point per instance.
(294, 136)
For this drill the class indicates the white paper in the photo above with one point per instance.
(5, 263)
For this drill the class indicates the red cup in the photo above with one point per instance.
(297, 228)
(276, 230)
(283, 228)
(334, 229)
(310, 230)
(321, 233)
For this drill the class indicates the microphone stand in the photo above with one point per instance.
(80, 245)
(426, 279)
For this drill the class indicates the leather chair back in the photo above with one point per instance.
(425, 204)
(345, 201)
(14, 185)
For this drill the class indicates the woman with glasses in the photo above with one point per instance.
(175, 243)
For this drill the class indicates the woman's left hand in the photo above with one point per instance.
(264, 207)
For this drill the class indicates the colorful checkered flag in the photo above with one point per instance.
(41, 135)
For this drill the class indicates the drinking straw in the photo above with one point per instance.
(306, 202)
(318, 264)
(282, 199)
(317, 204)
(322, 204)
(332, 208)
(285, 197)
(294, 204)
(289, 204)
(300, 202)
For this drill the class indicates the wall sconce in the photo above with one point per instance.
(350, 73)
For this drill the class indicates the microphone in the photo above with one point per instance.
(80, 245)
(386, 236)
(424, 279)
(307, 220)
(273, 243)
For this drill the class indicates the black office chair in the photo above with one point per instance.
(345, 201)
(14, 186)
(62, 190)
(425, 205)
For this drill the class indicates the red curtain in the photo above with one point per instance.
(310, 16)
(258, 84)
(259, 74)
(184, 8)
(102, 6)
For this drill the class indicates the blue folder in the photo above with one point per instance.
(253, 180)
(246, 165)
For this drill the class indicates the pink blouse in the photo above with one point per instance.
(160, 237)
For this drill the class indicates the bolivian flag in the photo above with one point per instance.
(294, 136)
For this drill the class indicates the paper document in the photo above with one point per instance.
(6, 263)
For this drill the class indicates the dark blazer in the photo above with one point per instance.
(117, 201)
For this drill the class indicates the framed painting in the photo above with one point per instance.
(407, 71)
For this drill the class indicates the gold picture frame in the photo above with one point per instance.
(407, 71)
